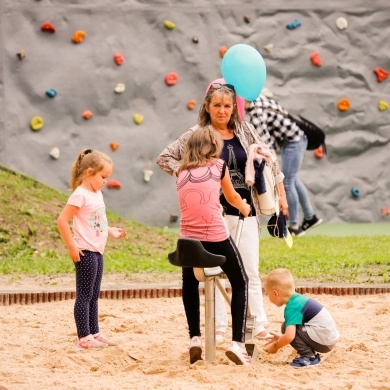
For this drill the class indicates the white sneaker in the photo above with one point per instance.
(196, 349)
(237, 354)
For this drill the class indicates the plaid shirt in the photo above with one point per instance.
(273, 126)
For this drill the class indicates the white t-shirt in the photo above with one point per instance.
(90, 226)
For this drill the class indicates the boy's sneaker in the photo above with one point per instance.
(196, 349)
(90, 342)
(310, 223)
(237, 354)
(306, 361)
(299, 232)
(103, 339)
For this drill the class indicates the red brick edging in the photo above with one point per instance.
(29, 298)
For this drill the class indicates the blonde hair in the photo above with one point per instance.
(204, 118)
(280, 279)
(87, 158)
(203, 145)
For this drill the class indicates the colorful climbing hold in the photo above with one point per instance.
(119, 59)
(381, 74)
(36, 123)
(55, 153)
(21, 54)
(78, 36)
(344, 104)
(171, 78)
(138, 119)
(114, 184)
(382, 105)
(48, 27)
(341, 23)
(195, 39)
(355, 192)
(385, 211)
(269, 47)
(169, 25)
(293, 25)
(87, 114)
(315, 58)
(191, 104)
(222, 51)
(120, 88)
(147, 175)
(51, 93)
(319, 152)
(114, 146)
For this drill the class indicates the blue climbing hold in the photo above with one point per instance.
(355, 192)
(51, 93)
(293, 25)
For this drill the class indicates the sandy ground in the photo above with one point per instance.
(38, 351)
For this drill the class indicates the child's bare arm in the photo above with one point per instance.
(281, 341)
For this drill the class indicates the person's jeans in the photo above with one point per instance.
(296, 192)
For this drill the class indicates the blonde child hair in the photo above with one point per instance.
(281, 280)
(87, 158)
(203, 146)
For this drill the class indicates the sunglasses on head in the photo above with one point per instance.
(219, 85)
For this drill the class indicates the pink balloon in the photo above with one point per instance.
(239, 100)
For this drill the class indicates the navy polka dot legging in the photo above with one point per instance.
(89, 272)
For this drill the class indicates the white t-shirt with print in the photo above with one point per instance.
(90, 226)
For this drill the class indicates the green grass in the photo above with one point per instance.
(30, 243)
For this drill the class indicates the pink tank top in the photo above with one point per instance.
(198, 190)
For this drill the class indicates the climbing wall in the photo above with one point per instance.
(127, 78)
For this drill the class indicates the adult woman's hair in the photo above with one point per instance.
(226, 89)
(87, 158)
(203, 145)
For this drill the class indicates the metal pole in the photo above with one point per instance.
(210, 320)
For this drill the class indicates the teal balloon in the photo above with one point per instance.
(244, 68)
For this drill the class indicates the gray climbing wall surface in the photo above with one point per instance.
(62, 61)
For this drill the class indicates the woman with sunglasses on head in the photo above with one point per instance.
(220, 109)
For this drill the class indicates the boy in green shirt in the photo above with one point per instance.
(308, 327)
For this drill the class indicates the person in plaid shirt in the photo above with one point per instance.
(280, 133)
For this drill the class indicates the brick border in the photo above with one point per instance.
(30, 298)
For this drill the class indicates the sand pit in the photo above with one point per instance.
(37, 349)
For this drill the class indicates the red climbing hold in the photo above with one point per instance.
(46, 26)
(171, 78)
(119, 59)
(381, 74)
(385, 211)
(316, 59)
(114, 184)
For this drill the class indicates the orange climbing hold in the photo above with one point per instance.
(191, 104)
(78, 36)
(381, 74)
(385, 211)
(344, 104)
(114, 146)
(114, 184)
(316, 59)
(48, 27)
(319, 152)
(171, 78)
(87, 114)
(222, 51)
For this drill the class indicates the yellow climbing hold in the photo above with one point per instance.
(169, 25)
(36, 123)
(383, 106)
(138, 118)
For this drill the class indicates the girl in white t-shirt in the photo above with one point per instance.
(86, 209)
